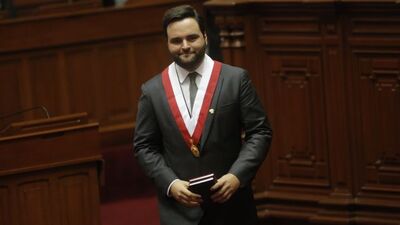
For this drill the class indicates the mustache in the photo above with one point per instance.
(186, 53)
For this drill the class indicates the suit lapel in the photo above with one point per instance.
(211, 112)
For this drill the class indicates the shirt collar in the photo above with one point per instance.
(183, 73)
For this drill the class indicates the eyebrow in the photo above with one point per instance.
(189, 36)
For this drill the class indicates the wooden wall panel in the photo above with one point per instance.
(294, 77)
(23, 8)
(146, 51)
(34, 202)
(80, 80)
(44, 80)
(92, 61)
(4, 205)
(328, 74)
(376, 83)
(59, 196)
(151, 57)
(113, 83)
(74, 204)
(10, 95)
(232, 39)
(374, 50)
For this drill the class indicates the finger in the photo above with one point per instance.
(185, 183)
(192, 196)
(223, 197)
(191, 204)
(196, 198)
(218, 198)
(217, 185)
(184, 194)
(185, 202)
(219, 194)
(182, 198)
(189, 199)
(222, 194)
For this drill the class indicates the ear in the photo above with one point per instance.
(205, 38)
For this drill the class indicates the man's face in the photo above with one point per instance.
(186, 43)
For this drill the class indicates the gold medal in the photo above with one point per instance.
(195, 150)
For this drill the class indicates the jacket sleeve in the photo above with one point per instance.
(258, 133)
(148, 144)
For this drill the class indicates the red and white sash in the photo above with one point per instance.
(191, 128)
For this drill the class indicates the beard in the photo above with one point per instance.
(193, 61)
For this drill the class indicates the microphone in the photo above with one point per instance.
(41, 107)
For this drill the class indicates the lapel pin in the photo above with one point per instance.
(211, 111)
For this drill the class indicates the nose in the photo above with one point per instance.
(185, 45)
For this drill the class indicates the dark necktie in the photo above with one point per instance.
(192, 88)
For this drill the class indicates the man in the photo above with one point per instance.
(191, 124)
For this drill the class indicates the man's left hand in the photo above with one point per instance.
(225, 187)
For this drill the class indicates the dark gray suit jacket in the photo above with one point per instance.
(164, 155)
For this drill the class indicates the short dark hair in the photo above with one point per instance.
(179, 13)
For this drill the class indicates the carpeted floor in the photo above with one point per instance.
(128, 197)
(133, 211)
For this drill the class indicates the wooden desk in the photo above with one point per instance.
(49, 172)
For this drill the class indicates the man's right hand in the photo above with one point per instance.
(180, 192)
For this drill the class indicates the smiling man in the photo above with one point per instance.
(189, 124)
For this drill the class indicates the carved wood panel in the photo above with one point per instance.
(4, 205)
(34, 202)
(232, 39)
(62, 196)
(293, 78)
(75, 198)
(376, 83)
(329, 76)
(288, 24)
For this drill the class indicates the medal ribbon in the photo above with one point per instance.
(212, 84)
